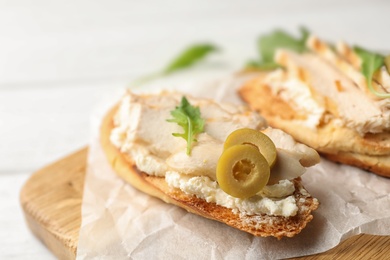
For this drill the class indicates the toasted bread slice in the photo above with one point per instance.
(341, 144)
(258, 225)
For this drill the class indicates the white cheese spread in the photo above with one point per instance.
(142, 131)
(298, 94)
(273, 200)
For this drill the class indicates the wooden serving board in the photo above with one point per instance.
(52, 197)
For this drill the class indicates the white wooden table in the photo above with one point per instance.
(60, 59)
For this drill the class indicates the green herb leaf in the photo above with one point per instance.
(268, 44)
(371, 62)
(387, 63)
(188, 117)
(254, 64)
(189, 56)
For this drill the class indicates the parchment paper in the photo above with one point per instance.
(119, 222)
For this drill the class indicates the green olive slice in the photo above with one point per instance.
(254, 137)
(242, 171)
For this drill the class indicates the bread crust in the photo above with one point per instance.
(257, 225)
(370, 152)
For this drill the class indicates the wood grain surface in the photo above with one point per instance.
(51, 200)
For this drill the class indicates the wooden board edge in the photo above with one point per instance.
(48, 194)
(70, 173)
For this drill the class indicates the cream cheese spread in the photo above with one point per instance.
(142, 131)
(297, 93)
(273, 200)
(322, 83)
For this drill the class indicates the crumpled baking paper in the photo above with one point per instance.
(119, 222)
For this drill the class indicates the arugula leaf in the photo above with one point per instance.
(189, 56)
(188, 117)
(387, 63)
(185, 59)
(255, 64)
(372, 62)
(268, 44)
